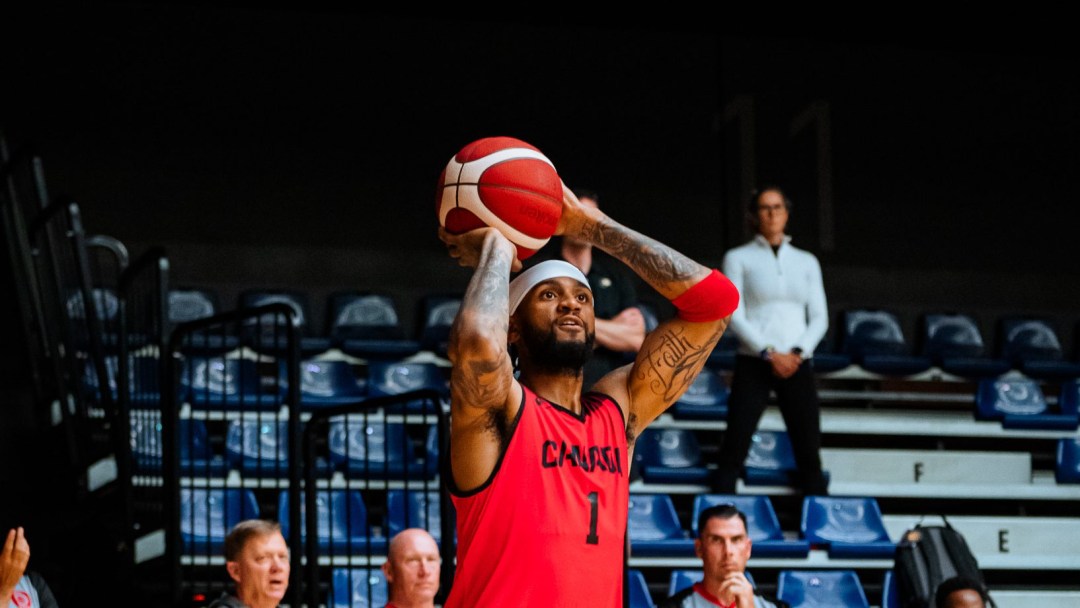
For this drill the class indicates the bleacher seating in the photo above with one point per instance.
(762, 524)
(1067, 460)
(942, 467)
(342, 518)
(654, 527)
(195, 454)
(374, 449)
(639, 590)
(771, 459)
(704, 399)
(821, 588)
(670, 456)
(258, 448)
(310, 343)
(385, 378)
(874, 340)
(1019, 403)
(953, 342)
(1032, 345)
(358, 588)
(437, 315)
(232, 383)
(413, 509)
(848, 526)
(367, 325)
(184, 305)
(327, 382)
(890, 591)
(207, 515)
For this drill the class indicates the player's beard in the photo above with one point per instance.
(549, 354)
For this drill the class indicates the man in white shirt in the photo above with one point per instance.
(779, 322)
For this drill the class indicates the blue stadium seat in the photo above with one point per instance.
(358, 588)
(670, 455)
(705, 398)
(378, 450)
(654, 528)
(329, 382)
(196, 457)
(771, 460)
(1021, 404)
(1067, 460)
(827, 358)
(763, 526)
(413, 509)
(186, 305)
(258, 448)
(388, 378)
(367, 326)
(207, 515)
(1032, 346)
(273, 339)
(437, 315)
(343, 522)
(849, 526)
(639, 590)
(953, 342)
(874, 341)
(229, 384)
(680, 579)
(890, 594)
(821, 588)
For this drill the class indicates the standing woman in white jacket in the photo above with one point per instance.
(781, 318)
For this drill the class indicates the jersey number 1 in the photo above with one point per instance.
(594, 511)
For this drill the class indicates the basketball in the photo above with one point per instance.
(504, 183)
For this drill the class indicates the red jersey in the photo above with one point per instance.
(548, 528)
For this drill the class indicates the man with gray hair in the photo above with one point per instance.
(257, 560)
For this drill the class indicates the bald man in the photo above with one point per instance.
(412, 569)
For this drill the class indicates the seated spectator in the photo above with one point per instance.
(412, 569)
(18, 586)
(257, 560)
(960, 592)
(723, 545)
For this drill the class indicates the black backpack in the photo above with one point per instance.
(926, 556)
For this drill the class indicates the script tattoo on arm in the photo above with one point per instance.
(672, 361)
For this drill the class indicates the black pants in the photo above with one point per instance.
(752, 380)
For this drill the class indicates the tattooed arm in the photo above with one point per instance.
(483, 392)
(672, 354)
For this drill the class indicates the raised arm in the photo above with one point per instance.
(672, 354)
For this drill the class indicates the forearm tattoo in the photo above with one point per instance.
(487, 292)
(652, 260)
(672, 362)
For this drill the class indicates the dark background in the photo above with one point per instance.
(285, 147)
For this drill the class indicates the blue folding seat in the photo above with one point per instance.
(770, 460)
(366, 325)
(890, 593)
(828, 358)
(874, 341)
(1067, 460)
(184, 305)
(1032, 346)
(342, 518)
(106, 310)
(329, 382)
(358, 588)
(849, 526)
(389, 378)
(680, 579)
(953, 342)
(268, 338)
(196, 456)
(1021, 404)
(258, 448)
(207, 515)
(413, 509)
(373, 449)
(639, 590)
(215, 383)
(654, 528)
(821, 588)
(763, 526)
(438, 313)
(705, 398)
(670, 455)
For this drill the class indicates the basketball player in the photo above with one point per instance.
(538, 471)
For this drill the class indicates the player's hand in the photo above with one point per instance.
(13, 559)
(736, 587)
(574, 214)
(467, 246)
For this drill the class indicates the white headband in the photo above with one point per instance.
(538, 274)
